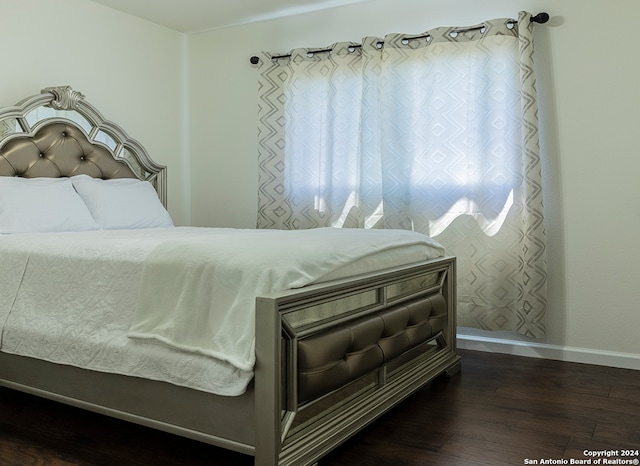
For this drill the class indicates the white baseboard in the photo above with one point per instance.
(546, 351)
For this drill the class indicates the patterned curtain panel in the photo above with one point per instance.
(436, 133)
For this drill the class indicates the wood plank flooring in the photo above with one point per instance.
(501, 410)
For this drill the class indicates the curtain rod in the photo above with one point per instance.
(540, 18)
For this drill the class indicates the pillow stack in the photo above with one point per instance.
(79, 203)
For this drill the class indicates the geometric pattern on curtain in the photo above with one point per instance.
(437, 133)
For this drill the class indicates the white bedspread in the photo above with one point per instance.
(71, 298)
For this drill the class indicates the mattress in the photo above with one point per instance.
(74, 298)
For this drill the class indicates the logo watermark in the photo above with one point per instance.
(597, 457)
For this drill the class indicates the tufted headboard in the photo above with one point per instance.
(58, 134)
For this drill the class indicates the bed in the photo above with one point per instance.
(249, 340)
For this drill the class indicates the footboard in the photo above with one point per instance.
(347, 353)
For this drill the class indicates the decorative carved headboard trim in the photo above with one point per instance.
(58, 133)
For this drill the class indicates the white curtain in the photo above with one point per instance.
(435, 133)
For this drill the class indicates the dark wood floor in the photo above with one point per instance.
(501, 410)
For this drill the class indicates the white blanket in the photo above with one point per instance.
(70, 298)
(199, 295)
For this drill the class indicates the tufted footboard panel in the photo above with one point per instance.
(334, 358)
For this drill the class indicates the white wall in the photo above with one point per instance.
(130, 69)
(588, 102)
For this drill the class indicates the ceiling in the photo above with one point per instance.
(190, 16)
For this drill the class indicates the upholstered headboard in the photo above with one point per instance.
(58, 134)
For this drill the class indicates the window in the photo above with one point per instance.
(436, 133)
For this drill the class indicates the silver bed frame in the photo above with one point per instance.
(269, 421)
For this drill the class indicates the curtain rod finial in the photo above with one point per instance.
(540, 18)
(254, 60)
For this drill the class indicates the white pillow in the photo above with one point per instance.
(122, 203)
(29, 205)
